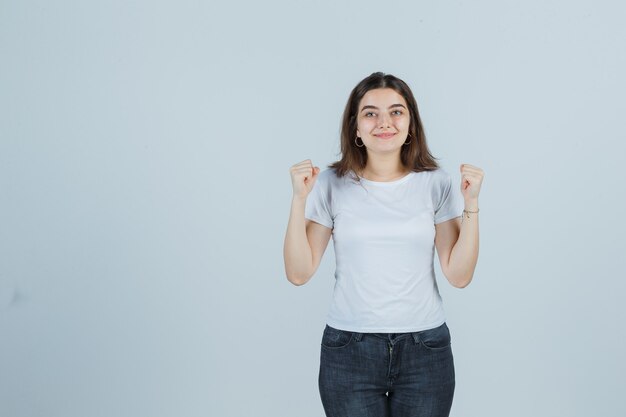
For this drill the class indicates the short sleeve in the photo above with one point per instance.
(450, 200)
(317, 207)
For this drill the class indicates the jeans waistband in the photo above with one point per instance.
(396, 336)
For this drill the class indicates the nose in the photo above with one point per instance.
(384, 120)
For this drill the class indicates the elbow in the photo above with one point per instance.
(297, 276)
(461, 283)
(298, 273)
(458, 279)
(298, 281)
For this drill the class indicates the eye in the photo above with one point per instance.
(369, 112)
(399, 111)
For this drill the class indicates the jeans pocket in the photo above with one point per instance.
(335, 338)
(436, 339)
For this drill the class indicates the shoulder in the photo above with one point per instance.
(441, 177)
(440, 173)
(435, 177)
(440, 184)
(326, 173)
(329, 176)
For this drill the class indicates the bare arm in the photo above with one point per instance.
(305, 244)
(457, 247)
(456, 240)
(305, 240)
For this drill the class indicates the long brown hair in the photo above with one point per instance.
(415, 156)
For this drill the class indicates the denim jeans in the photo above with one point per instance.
(386, 374)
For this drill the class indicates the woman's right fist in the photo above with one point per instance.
(303, 176)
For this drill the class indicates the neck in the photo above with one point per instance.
(383, 170)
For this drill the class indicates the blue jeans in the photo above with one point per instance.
(386, 374)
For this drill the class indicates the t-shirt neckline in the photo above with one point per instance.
(388, 183)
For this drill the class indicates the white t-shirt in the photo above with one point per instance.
(384, 240)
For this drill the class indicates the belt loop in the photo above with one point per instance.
(416, 337)
(358, 336)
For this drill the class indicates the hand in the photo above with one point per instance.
(471, 180)
(303, 177)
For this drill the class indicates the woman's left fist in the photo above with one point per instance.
(471, 179)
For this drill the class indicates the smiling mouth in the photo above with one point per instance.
(386, 135)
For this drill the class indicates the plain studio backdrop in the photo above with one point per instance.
(145, 191)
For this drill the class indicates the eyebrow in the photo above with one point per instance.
(376, 108)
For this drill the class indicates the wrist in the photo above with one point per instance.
(471, 205)
(298, 199)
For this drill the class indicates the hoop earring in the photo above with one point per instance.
(406, 143)
(360, 146)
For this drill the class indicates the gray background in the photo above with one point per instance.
(145, 150)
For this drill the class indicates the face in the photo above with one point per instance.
(383, 120)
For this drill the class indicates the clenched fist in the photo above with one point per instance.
(303, 176)
(471, 180)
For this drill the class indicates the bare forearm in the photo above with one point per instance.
(464, 255)
(297, 251)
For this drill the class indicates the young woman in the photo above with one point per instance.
(385, 349)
